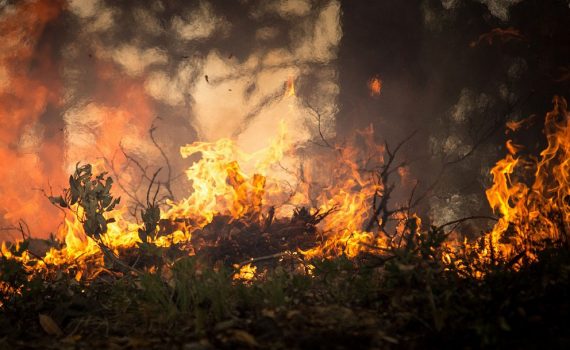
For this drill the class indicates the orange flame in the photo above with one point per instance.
(290, 87)
(513, 148)
(246, 273)
(227, 181)
(540, 212)
(219, 184)
(375, 86)
(513, 125)
(498, 35)
(36, 144)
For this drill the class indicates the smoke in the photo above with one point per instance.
(122, 84)
(87, 81)
(455, 90)
(500, 8)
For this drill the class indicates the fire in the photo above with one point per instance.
(530, 196)
(347, 198)
(513, 125)
(246, 272)
(513, 148)
(375, 86)
(336, 190)
(30, 140)
(219, 184)
(222, 187)
(290, 87)
(536, 212)
(43, 133)
(501, 35)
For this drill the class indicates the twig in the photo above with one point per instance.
(489, 132)
(263, 258)
(118, 181)
(109, 253)
(385, 172)
(459, 221)
(150, 187)
(167, 183)
(318, 117)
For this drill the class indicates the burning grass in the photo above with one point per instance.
(408, 301)
(244, 262)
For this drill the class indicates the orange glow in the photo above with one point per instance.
(530, 213)
(226, 181)
(375, 86)
(30, 141)
(246, 273)
(501, 35)
(513, 148)
(35, 141)
(290, 87)
(123, 113)
(513, 125)
(538, 212)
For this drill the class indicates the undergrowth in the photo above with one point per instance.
(405, 302)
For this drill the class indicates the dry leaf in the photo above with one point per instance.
(268, 313)
(49, 325)
(292, 313)
(78, 275)
(71, 339)
(244, 338)
(388, 338)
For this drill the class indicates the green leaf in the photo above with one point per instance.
(102, 223)
(142, 235)
(106, 201)
(113, 204)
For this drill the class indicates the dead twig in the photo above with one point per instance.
(167, 183)
(384, 176)
(486, 134)
(318, 117)
(263, 258)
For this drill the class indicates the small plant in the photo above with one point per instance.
(93, 195)
(89, 197)
(150, 216)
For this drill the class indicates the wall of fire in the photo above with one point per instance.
(84, 80)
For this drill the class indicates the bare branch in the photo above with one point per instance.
(318, 117)
(385, 171)
(167, 183)
(462, 220)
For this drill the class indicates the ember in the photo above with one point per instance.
(375, 86)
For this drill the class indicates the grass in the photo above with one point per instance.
(405, 302)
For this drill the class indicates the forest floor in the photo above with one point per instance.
(407, 301)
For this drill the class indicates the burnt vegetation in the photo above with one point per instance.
(132, 273)
(405, 297)
(247, 281)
